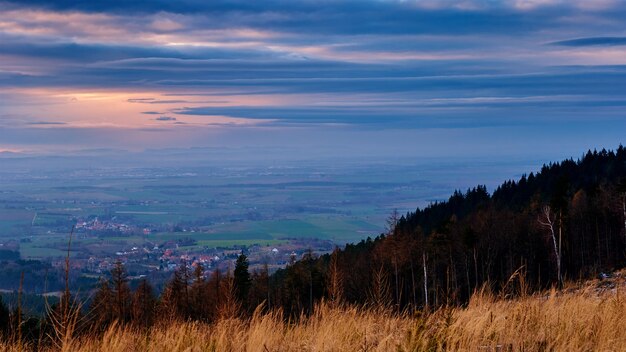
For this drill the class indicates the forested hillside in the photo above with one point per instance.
(572, 212)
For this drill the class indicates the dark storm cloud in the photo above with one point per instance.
(45, 123)
(594, 41)
(165, 118)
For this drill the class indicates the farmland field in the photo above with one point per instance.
(208, 207)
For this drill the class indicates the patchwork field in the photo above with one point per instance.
(212, 206)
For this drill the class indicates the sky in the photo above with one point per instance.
(352, 78)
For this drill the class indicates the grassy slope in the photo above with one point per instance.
(576, 319)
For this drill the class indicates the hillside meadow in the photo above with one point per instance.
(575, 319)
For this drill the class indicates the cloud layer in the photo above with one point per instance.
(190, 68)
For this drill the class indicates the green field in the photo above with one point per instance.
(245, 233)
(30, 251)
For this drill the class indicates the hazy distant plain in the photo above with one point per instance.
(221, 204)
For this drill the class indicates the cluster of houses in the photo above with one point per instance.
(97, 225)
(147, 259)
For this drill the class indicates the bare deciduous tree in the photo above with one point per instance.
(335, 280)
(425, 280)
(379, 294)
(547, 220)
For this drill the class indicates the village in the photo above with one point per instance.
(158, 260)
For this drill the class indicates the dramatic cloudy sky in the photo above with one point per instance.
(414, 77)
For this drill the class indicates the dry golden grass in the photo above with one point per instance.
(345, 329)
(581, 320)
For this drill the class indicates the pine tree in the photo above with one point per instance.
(184, 304)
(260, 289)
(121, 293)
(101, 309)
(4, 318)
(198, 302)
(211, 296)
(143, 305)
(175, 300)
(242, 279)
